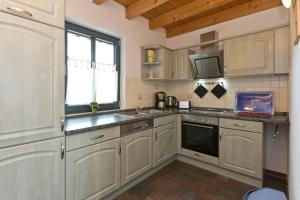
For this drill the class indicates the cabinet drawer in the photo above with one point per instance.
(242, 125)
(49, 12)
(84, 139)
(160, 121)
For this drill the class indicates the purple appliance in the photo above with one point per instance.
(254, 103)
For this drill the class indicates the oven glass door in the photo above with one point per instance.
(200, 138)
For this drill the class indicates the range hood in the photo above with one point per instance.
(207, 61)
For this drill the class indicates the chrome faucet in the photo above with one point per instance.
(138, 109)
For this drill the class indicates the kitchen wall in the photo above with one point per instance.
(294, 159)
(255, 22)
(109, 18)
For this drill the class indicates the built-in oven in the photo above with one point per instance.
(200, 137)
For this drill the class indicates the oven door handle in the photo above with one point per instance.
(197, 125)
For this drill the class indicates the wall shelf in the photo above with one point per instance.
(152, 63)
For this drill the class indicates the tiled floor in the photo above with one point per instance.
(180, 181)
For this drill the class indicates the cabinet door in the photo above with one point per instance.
(136, 157)
(33, 171)
(241, 151)
(93, 172)
(31, 80)
(168, 64)
(282, 50)
(249, 55)
(180, 64)
(47, 11)
(164, 143)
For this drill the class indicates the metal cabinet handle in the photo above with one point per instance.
(197, 155)
(62, 127)
(97, 137)
(225, 69)
(220, 136)
(19, 11)
(239, 125)
(196, 125)
(120, 148)
(276, 132)
(155, 136)
(62, 151)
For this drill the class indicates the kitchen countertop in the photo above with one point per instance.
(99, 121)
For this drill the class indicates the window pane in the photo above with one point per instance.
(106, 74)
(105, 52)
(80, 73)
(79, 47)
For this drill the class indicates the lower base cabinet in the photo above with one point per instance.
(241, 151)
(93, 172)
(33, 171)
(164, 143)
(136, 156)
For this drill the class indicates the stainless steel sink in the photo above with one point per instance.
(135, 114)
(152, 111)
(144, 113)
(155, 111)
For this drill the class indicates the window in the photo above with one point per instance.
(93, 69)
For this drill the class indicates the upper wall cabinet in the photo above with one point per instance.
(249, 55)
(46, 11)
(282, 50)
(181, 69)
(160, 63)
(156, 63)
(31, 80)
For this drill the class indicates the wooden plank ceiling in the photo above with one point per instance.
(183, 16)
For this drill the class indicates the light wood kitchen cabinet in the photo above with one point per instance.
(46, 11)
(181, 69)
(160, 68)
(136, 156)
(282, 50)
(164, 143)
(241, 151)
(31, 80)
(168, 64)
(93, 172)
(249, 55)
(33, 171)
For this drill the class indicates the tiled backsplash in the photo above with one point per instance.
(277, 84)
(141, 93)
(138, 92)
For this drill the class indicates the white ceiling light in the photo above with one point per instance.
(287, 3)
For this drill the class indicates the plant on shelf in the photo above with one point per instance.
(94, 106)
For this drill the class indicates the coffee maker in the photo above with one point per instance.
(160, 100)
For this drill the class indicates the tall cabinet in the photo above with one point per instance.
(32, 99)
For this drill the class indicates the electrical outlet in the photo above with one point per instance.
(140, 96)
(189, 95)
